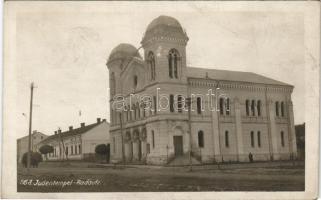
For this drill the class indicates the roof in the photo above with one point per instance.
(164, 26)
(33, 133)
(122, 51)
(73, 132)
(250, 77)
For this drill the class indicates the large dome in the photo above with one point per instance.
(164, 26)
(124, 51)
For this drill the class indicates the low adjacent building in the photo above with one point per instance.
(77, 143)
(22, 143)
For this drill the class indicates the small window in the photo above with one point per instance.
(72, 150)
(79, 149)
(282, 138)
(259, 139)
(66, 150)
(277, 108)
(252, 138)
(200, 139)
(199, 105)
(226, 139)
(153, 139)
(171, 103)
(76, 149)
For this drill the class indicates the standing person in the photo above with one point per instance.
(250, 157)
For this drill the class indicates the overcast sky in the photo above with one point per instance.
(65, 54)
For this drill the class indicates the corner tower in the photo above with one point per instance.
(164, 46)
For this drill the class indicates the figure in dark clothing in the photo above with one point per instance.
(250, 157)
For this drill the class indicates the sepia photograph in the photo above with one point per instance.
(109, 98)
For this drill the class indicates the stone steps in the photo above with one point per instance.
(183, 161)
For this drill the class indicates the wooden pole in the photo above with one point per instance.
(30, 127)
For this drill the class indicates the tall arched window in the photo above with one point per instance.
(227, 144)
(282, 138)
(179, 103)
(259, 107)
(153, 139)
(200, 139)
(199, 105)
(253, 108)
(135, 81)
(151, 60)
(282, 109)
(112, 84)
(227, 106)
(173, 63)
(277, 108)
(221, 106)
(171, 103)
(259, 139)
(247, 104)
(252, 138)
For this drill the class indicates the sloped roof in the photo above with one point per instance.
(76, 131)
(33, 133)
(226, 75)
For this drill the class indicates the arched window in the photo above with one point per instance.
(179, 103)
(227, 106)
(282, 138)
(112, 84)
(259, 107)
(221, 106)
(171, 103)
(277, 108)
(151, 60)
(153, 139)
(155, 104)
(173, 59)
(226, 139)
(252, 138)
(247, 104)
(114, 145)
(200, 139)
(199, 105)
(138, 110)
(259, 139)
(282, 109)
(253, 108)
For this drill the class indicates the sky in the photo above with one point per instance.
(65, 53)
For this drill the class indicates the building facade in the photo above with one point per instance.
(77, 143)
(22, 143)
(232, 114)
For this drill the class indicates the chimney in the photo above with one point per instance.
(82, 124)
(35, 131)
(98, 120)
(70, 128)
(59, 131)
(55, 132)
(104, 120)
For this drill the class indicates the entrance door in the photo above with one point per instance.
(178, 145)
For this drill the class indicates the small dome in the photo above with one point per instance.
(123, 51)
(164, 26)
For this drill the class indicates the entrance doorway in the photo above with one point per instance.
(178, 145)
